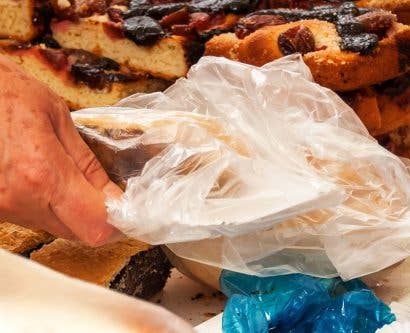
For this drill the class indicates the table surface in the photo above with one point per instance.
(190, 300)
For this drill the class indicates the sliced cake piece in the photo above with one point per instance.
(21, 19)
(21, 240)
(128, 266)
(81, 78)
(341, 62)
(167, 58)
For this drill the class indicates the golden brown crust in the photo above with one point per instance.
(344, 71)
(96, 265)
(17, 239)
(331, 67)
(225, 45)
(399, 7)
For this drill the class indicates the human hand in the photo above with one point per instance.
(49, 178)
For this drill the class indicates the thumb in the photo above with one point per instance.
(81, 207)
(80, 153)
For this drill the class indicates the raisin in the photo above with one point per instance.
(115, 14)
(135, 4)
(159, 11)
(377, 22)
(179, 17)
(82, 57)
(364, 43)
(182, 30)
(143, 30)
(251, 23)
(297, 39)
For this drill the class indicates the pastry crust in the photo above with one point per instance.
(97, 265)
(331, 67)
(21, 240)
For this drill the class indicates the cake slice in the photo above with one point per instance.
(82, 79)
(21, 240)
(129, 266)
(20, 19)
(168, 58)
(338, 58)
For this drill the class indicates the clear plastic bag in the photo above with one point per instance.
(255, 170)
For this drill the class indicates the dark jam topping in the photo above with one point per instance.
(156, 10)
(359, 28)
(302, 4)
(143, 30)
(85, 67)
(363, 43)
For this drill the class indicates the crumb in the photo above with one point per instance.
(210, 314)
(197, 296)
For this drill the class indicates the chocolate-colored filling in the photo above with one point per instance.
(144, 275)
(143, 29)
(359, 28)
(96, 72)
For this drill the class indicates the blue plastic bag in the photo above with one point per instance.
(299, 303)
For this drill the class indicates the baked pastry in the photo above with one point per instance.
(129, 266)
(21, 240)
(343, 52)
(81, 78)
(399, 7)
(167, 58)
(157, 37)
(21, 20)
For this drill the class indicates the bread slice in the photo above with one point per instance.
(45, 65)
(331, 67)
(18, 20)
(128, 266)
(21, 240)
(167, 58)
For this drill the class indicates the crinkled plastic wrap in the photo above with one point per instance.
(255, 170)
(298, 303)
